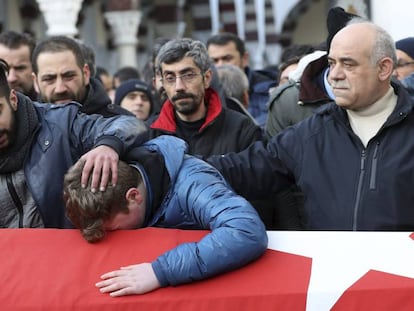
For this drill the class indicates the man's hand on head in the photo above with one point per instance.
(101, 162)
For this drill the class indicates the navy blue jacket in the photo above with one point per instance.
(260, 82)
(65, 134)
(346, 186)
(200, 198)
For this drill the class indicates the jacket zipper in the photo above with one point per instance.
(359, 191)
(16, 199)
(374, 164)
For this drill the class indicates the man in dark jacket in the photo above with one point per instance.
(16, 49)
(228, 48)
(61, 75)
(353, 159)
(39, 142)
(194, 111)
(198, 198)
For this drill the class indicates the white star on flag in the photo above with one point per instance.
(339, 259)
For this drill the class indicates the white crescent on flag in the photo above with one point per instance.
(340, 258)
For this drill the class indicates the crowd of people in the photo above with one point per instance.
(202, 141)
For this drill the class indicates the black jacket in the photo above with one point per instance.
(223, 130)
(347, 186)
(97, 101)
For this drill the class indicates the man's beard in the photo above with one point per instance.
(67, 96)
(11, 135)
(187, 107)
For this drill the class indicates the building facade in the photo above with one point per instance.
(122, 32)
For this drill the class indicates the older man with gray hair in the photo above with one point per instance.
(235, 87)
(352, 158)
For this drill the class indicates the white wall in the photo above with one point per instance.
(396, 16)
(311, 26)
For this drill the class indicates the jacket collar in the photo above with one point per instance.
(166, 119)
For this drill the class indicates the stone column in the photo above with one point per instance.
(124, 25)
(60, 16)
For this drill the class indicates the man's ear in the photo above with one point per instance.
(86, 73)
(386, 68)
(133, 195)
(246, 99)
(245, 59)
(13, 99)
(36, 86)
(207, 78)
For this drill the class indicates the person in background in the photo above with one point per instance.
(199, 198)
(235, 88)
(154, 77)
(353, 158)
(228, 48)
(404, 70)
(38, 144)
(106, 79)
(61, 75)
(290, 59)
(89, 56)
(135, 96)
(286, 68)
(234, 83)
(16, 49)
(124, 74)
(405, 58)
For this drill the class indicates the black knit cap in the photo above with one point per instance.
(131, 86)
(406, 45)
(336, 20)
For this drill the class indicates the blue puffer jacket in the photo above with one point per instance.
(346, 186)
(199, 198)
(63, 136)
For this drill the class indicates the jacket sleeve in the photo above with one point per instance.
(250, 133)
(120, 132)
(260, 170)
(281, 108)
(237, 234)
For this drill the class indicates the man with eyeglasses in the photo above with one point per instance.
(405, 58)
(193, 110)
(404, 68)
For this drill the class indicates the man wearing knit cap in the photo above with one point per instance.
(405, 58)
(135, 96)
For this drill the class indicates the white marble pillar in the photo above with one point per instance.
(215, 17)
(60, 16)
(124, 25)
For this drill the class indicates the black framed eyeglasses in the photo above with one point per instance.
(401, 65)
(188, 77)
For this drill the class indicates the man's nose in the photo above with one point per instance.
(11, 77)
(179, 84)
(220, 62)
(60, 86)
(335, 73)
